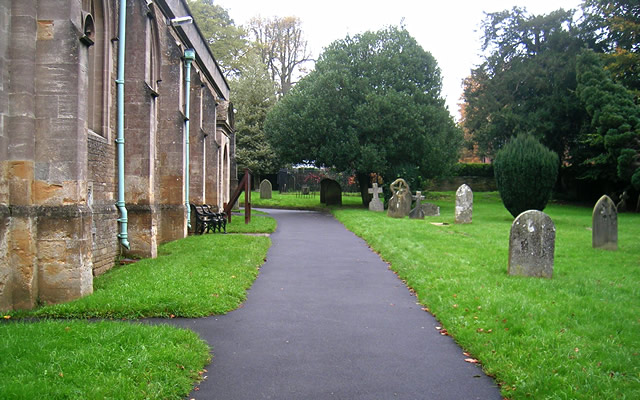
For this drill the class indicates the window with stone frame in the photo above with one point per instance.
(152, 53)
(96, 68)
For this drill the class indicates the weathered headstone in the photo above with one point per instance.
(283, 180)
(604, 229)
(265, 189)
(430, 210)
(400, 203)
(375, 204)
(464, 205)
(330, 192)
(532, 244)
(417, 212)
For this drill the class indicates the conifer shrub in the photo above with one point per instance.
(525, 172)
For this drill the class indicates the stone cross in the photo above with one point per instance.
(464, 205)
(532, 244)
(604, 227)
(417, 212)
(418, 197)
(375, 204)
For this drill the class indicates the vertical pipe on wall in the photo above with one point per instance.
(189, 56)
(123, 236)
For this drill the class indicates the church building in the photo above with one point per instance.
(114, 116)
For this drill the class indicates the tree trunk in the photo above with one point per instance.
(363, 182)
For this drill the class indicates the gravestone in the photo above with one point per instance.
(283, 180)
(464, 205)
(400, 203)
(265, 189)
(430, 209)
(375, 204)
(532, 244)
(417, 212)
(604, 233)
(330, 192)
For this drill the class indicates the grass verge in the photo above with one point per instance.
(260, 223)
(575, 336)
(192, 277)
(101, 360)
(295, 201)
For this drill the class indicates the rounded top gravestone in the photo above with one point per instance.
(464, 205)
(265, 189)
(604, 221)
(330, 192)
(532, 245)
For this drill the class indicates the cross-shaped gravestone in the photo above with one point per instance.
(417, 212)
(375, 204)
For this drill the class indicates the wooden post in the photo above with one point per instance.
(245, 185)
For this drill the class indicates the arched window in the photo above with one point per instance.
(152, 53)
(96, 67)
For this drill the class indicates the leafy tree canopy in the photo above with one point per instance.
(526, 83)
(227, 41)
(372, 104)
(613, 29)
(614, 137)
(254, 94)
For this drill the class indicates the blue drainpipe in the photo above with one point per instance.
(123, 236)
(189, 56)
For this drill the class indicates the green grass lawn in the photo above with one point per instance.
(576, 336)
(71, 359)
(260, 223)
(101, 360)
(193, 277)
(293, 200)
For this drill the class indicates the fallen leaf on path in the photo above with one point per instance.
(471, 360)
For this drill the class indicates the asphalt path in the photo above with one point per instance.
(327, 319)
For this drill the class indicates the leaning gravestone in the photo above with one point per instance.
(604, 234)
(330, 192)
(532, 244)
(417, 212)
(430, 210)
(265, 189)
(400, 203)
(464, 205)
(375, 204)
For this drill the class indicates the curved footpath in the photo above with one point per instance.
(327, 319)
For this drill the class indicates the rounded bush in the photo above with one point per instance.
(525, 173)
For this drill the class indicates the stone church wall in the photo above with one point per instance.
(58, 164)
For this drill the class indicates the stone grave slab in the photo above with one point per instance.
(400, 203)
(265, 189)
(604, 224)
(464, 205)
(330, 192)
(532, 245)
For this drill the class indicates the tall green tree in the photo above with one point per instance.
(614, 135)
(612, 28)
(372, 104)
(254, 94)
(227, 41)
(526, 82)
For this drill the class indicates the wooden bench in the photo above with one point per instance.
(207, 219)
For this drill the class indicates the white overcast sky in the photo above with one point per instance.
(448, 29)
